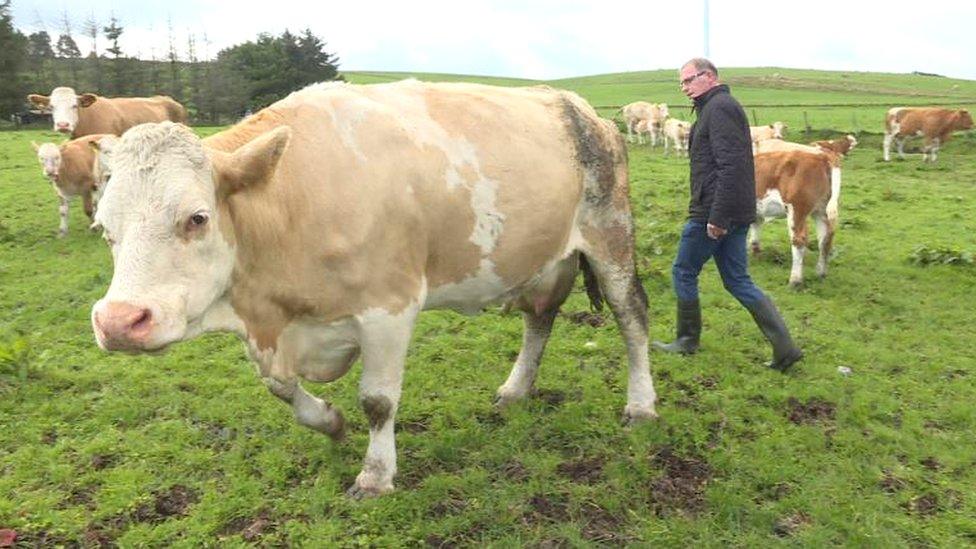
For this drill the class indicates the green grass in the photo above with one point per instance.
(187, 448)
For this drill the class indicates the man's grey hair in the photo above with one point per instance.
(702, 64)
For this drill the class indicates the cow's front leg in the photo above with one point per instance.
(534, 338)
(63, 212)
(755, 232)
(310, 411)
(384, 339)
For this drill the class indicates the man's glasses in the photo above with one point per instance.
(692, 78)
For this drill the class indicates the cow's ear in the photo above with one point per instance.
(252, 164)
(39, 101)
(86, 99)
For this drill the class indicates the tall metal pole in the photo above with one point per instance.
(707, 56)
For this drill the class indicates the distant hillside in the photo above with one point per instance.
(838, 100)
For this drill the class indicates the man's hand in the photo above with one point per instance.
(715, 232)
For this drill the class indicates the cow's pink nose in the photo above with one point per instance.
(122, 324)
(62, 127)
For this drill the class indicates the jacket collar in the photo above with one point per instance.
(705, 97)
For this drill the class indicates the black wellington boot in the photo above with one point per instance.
(767, 317)
(689, 330)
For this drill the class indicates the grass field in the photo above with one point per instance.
(188, 448)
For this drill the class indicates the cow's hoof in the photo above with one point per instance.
(62, 234)
(796, 284)
(358, 492)
(634, 415)
(503, 400)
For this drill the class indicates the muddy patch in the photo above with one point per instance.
(925, 505)
(250, 528)
(586, 318)
(515, 471)
(453, 504)
(173, 502)
(413, 425)
(773, 492)
(790, 524)
(602, 526)
(80, 496)
(682, 486)
(103, 461)
(889, 483)
(814, 410)
(931, 463)
(547, 508)
(550, 398)
(583, 470)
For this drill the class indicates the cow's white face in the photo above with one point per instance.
(160, 219)
(103, 158)
(778, 128)
(64, 104)
(49, 155)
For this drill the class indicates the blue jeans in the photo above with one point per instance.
(730, 256)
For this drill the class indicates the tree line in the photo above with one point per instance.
(244, 77)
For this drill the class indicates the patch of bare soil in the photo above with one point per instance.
(925, 505)
(583, 470)
(790, 524)
(250, 528)
(586, 318)
(682, 486)
(815, 410)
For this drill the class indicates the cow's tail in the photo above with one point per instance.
(591, 284)
(833, 204)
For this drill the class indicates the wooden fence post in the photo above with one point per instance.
(754, 122)
(806, 123)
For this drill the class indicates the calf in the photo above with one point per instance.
(935, 125)
(840, 146)
(676, 132)
(652, 115)
(318, 229)
(796, 184)
(769, 131)
(74, 170)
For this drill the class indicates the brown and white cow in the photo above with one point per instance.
(75, 169)
(769, 131)
(87, 114)
(320, 227)
(840, 146)
(651, 114)
(933, 124)
(797, 184)
(676, 133)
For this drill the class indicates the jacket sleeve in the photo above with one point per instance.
(728, 143)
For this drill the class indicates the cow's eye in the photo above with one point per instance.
(197, 220)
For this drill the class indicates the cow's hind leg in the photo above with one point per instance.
(384, 338)
(825, 240)
(623, 291)
(796, 221)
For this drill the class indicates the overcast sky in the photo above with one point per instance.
(550, 39)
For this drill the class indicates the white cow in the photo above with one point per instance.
(319, 228)
(676, 134)
(769, 131)
(651, 114)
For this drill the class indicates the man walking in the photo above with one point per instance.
(722, 206)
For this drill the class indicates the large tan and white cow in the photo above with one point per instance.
(676, 133)
(840, 146)
(320, 227)
(87, 114)
(652, 115)
(769, 131)
(797, 184)
(75, 169)
(934, 125)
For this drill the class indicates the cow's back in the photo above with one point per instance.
(114, 115)
(442, 181)
(798, 175)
